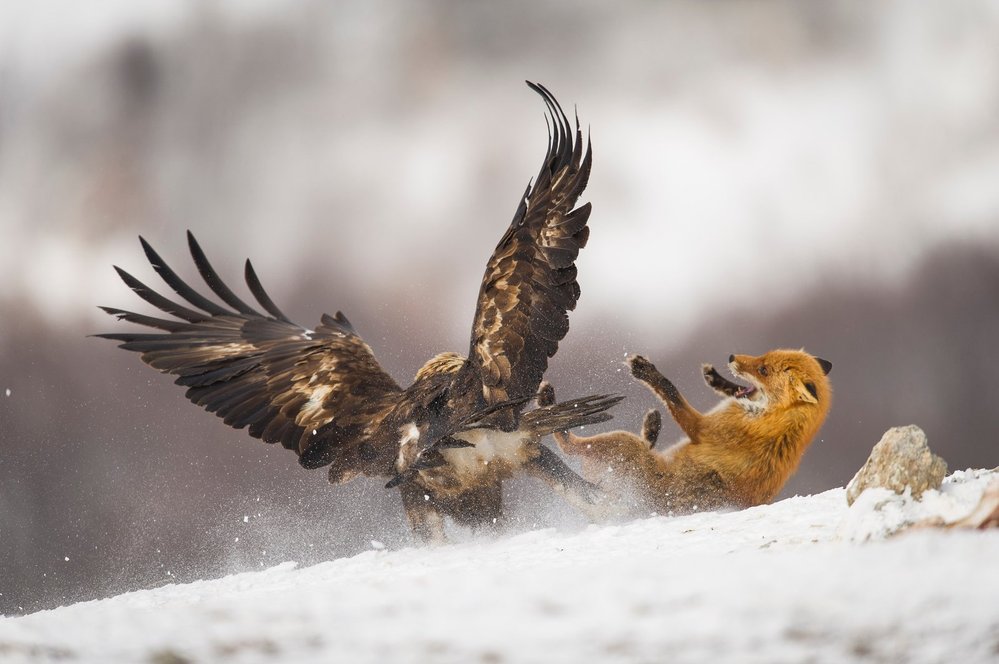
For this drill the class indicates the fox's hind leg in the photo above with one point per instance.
(652, 424)
(545, 395)
(567, 441)
(685, 415)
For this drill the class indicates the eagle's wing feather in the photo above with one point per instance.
(530, 280)
(312, 391)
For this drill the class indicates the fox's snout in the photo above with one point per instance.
(740, 364)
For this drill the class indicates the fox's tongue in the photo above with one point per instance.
(745, 392)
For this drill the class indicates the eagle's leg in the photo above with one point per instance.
(549, 467)
(425, 519)
(479, 508)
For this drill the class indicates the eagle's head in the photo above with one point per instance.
(441, 364)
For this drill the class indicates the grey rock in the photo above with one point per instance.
(901, 459)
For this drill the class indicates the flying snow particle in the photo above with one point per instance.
(426, 497)
(246, 519)
(375, 544)
(66, 558)
(237, 539)
(7, 391)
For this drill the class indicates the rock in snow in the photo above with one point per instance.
(786, 582)
(901, 460)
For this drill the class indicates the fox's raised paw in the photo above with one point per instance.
(651, 426)
(546, 394)
(641, 368)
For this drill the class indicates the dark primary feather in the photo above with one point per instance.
(315, 392)
(530, 281)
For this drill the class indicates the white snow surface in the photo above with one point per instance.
(805, 579)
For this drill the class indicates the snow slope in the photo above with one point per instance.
(805, 579)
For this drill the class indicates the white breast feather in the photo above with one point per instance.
(410, 436)
(491, 447)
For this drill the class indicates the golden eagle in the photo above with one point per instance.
(450, 438)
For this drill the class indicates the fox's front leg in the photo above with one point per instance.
(721, 385)
(685, 415)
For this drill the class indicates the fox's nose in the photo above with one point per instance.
(731, 358)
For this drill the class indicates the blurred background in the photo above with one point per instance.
(808, 174)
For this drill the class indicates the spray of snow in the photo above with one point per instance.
(784, 582)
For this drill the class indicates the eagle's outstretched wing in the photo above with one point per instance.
(530, 280)
(314, 391)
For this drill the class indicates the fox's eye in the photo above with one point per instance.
(763, 371)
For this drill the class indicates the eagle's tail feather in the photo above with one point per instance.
(569, 414)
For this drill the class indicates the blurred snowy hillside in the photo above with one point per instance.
(818, 174)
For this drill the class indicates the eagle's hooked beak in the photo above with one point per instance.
(399, 479)
(409, 464)
(451, 443)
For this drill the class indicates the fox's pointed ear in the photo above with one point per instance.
(825, 364)
(806, 391)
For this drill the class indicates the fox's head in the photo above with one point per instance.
(783, 378)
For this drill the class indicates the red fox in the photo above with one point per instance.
(738, 454)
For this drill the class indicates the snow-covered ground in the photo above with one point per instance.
(805, 579)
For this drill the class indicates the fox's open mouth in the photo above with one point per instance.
(742, 391)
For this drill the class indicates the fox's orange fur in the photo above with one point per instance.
(739, 454)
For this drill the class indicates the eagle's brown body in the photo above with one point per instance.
(451, 437)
